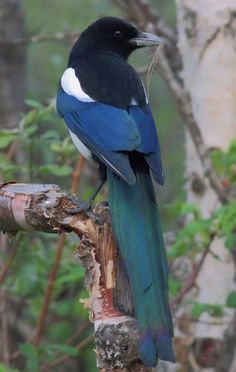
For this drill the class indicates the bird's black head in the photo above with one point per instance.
(115, 35)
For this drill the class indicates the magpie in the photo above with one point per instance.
(105, 107)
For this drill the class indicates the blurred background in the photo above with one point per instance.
(35, 148)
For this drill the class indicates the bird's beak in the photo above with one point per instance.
(145, 39)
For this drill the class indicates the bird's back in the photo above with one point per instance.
(108, 78)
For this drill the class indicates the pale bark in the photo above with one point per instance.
(45, 208)
(207, 44)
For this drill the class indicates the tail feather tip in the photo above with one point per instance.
(152, 348)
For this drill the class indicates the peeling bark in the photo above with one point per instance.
(46, 208)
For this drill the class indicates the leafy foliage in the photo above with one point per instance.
(199, 308)
(46, 156)
(197, 232)
(231, 300)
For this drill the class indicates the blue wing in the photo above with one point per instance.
(110, 133)
(150, 145)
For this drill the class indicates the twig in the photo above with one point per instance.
(78, 333)
(208, 322)
(59, 36)
(8, 263)
(4, 329)
(75, 335)
(192, 280)
(4, 319)
(77, 173)
(11, 150)
(69, 341)
(48, 294)
(63, 359)
(141, 11)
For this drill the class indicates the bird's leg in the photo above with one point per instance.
(86, 207)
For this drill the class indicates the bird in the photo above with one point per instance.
(105, 107)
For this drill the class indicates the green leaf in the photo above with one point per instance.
(75, 274)
(66, 349)
(31, 355)
(50, 134)
(231, 299)
(174, 286)
(56, 170)
(33, 103)
(60, 330)
(180, 248)
(6, 137)
(200, 308)
(31, 129)
(29, 118)
(230, 241)
(4, 368)
(219, 161)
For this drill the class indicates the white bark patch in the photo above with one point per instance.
(207, 45)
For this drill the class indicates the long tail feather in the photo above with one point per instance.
(136, 224)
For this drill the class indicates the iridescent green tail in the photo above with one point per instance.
(136, 225)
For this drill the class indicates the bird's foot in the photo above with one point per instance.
(85, 208)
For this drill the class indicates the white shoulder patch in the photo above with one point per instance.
(71, 85)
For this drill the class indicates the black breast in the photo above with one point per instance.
(109, 79)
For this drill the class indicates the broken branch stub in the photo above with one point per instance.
(116, 335)
(45, 208)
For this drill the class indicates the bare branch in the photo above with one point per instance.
(192, 280)
(7, 265)
(47, 299)
(59, 36)
(63, 359)
(140, 12)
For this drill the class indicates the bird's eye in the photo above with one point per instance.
(118, 34)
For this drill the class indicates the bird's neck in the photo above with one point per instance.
(107, 77)
(82, 54)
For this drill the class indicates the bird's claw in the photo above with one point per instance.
(85, 208)
(95, 218)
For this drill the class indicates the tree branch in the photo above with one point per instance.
(43, 208)
(63, 359)
(59, 36)
(6, 267)
(51, 281)
(192, 280)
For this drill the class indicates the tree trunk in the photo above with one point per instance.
(12, 89)
(12, 71)
(207, 45)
